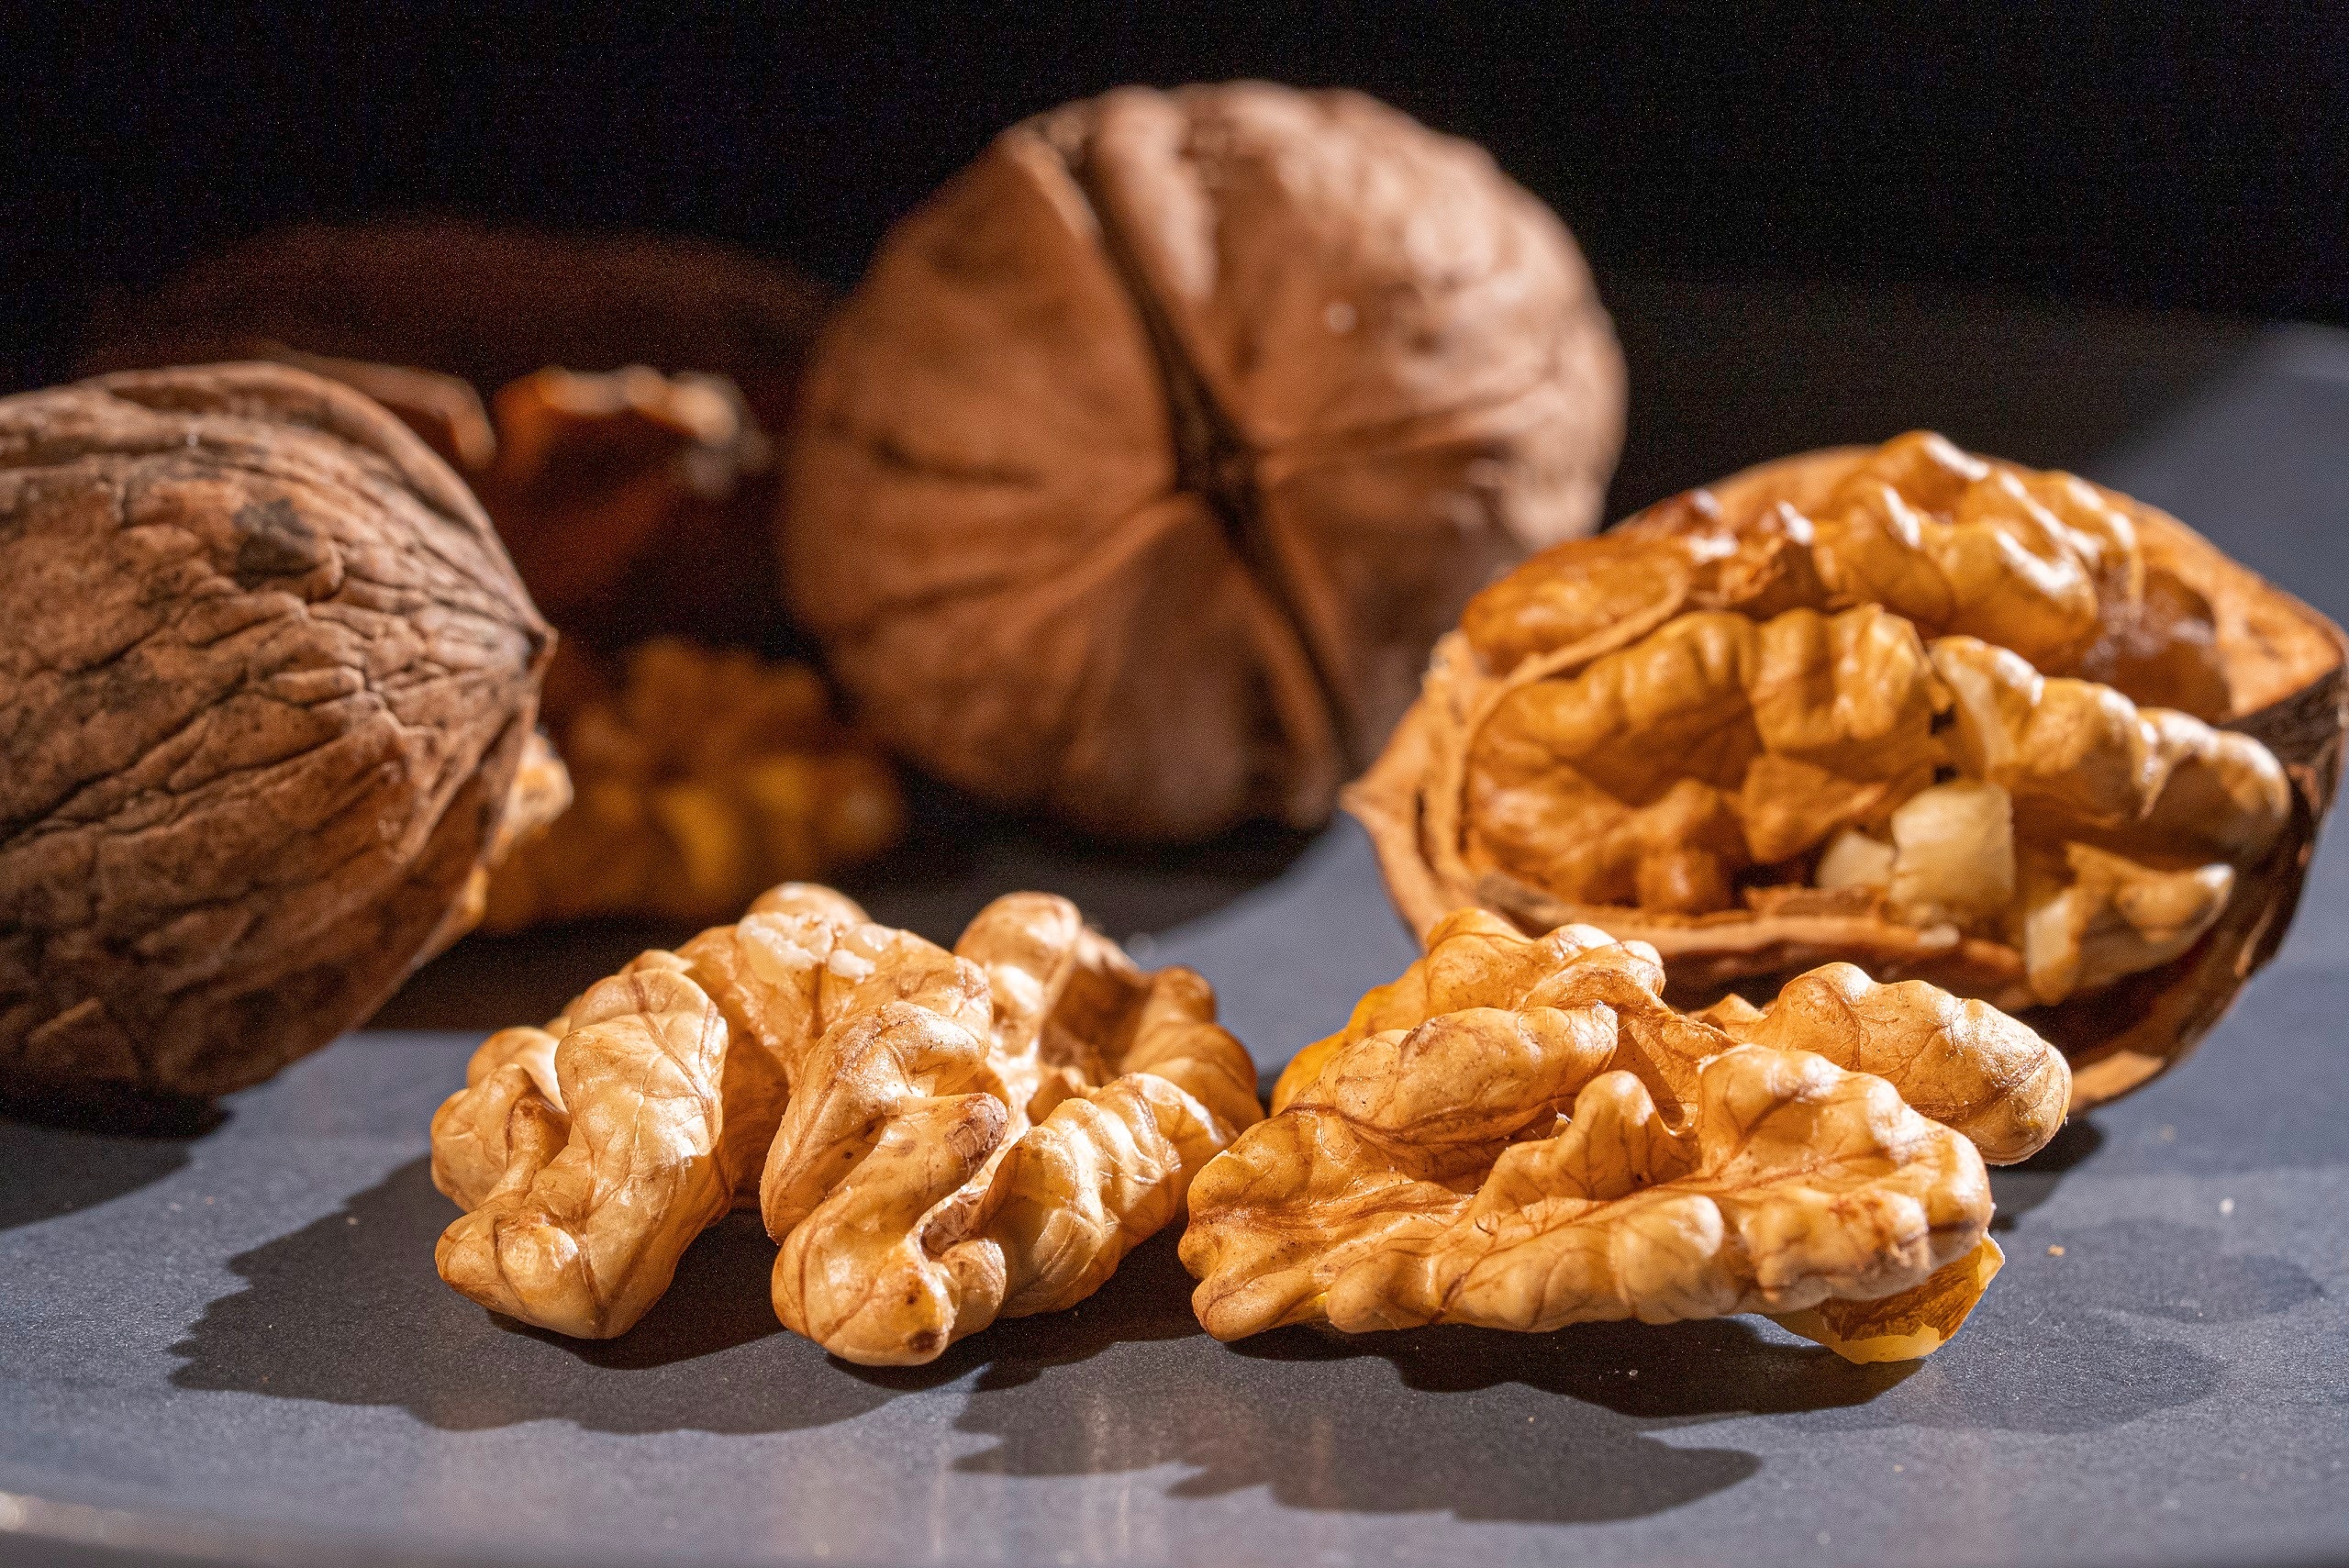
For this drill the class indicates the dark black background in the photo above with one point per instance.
(1722, 166)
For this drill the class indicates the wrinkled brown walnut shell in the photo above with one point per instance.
(2273, 671)
(1152, 453)
(266, 683)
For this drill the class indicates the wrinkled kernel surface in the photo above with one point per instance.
(1935, 784)
(1519, 1133)
(709, 774)
(1904, 697)
(934, 1138)
(2038, 562)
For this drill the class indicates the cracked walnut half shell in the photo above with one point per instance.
(1519, 1133)
(935, 1138)
(1152, 454)
(1941, 715)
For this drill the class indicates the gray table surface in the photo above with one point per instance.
(233, 1344)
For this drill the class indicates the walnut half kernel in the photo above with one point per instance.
(1755, 745)
(1519, 1133)
(935, 1138)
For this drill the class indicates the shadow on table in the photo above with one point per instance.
(59, 1164)
(2019, 1189)
(1478, 1423)
(1484, 1425)
(1562, 1428)
(348, 1311)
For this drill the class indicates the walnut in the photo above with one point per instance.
(1519, 1133)
(1935, 714)
(486, 305)
(985, 1134)
(707, 776)
(609, 488)
(1152, 454)
(267, 683)
(604, 1181)
(634, 504)
(936, 1140)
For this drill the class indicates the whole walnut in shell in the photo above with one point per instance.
(1152, 454)
(266, 692)
(1942, 715)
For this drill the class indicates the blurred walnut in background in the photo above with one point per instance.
(633, 504)
(706, 777)
(1153, 452)
(618, 487)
